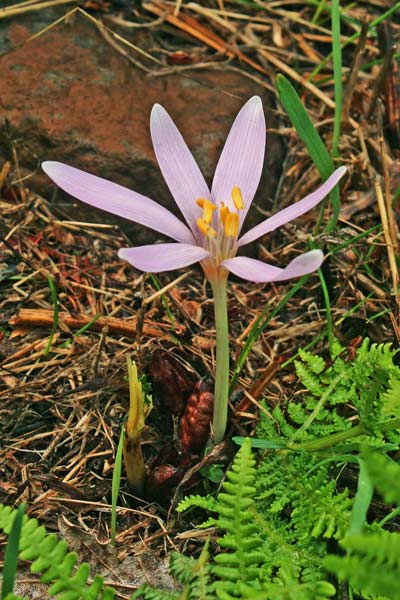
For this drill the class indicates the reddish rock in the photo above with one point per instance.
(69, 96)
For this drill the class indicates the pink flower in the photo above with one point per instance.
(214, 219)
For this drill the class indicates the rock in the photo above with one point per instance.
(69, 96)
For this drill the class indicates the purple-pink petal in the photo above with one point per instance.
(179, 168)
(242, 157)
(260, 272)
(163, 257)
(117, 200)
(293, 211)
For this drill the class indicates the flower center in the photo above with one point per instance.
(220, 239)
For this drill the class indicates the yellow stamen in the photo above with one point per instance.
(231, 225)
(208, 208)
(205, 228)
(237, 198)
(223, 213)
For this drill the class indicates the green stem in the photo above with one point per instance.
(221, 389)
(342, 436)
(328, 314)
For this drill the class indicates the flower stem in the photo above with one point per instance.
(221, 389)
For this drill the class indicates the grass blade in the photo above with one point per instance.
(11, 554)
(337, 75)
(320, 9)
(53, 293)
(362, 499)
(304, 126)
(115, 486)
(87, 325)
(310, 136)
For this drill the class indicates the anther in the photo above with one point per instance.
(208, 208)
(205, 228)
(223, 213)
(237, 198)
(231, 225)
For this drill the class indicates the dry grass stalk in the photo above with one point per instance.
(349, 87)
(30, 317)
(31, 6)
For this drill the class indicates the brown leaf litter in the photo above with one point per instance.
(63, 388)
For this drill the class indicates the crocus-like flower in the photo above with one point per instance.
(214, 219)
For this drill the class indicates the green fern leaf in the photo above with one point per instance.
(207, 503)
(372, 563)
(372, 566)
(181, 567)
(51, 558)
(235, 507)
(286, 586)
(309, 378)
(148, 592)
(391, 398)
(192, 574)
(199, 585)
(385, 474)
(316, 508)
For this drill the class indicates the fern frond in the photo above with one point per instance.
(380, 548)
(235, 507)
(369, 405)
(307, 371)
(51, 558)
(327, 512)
(372, 562)
(199, 587)
(367, 387)
(207, 503)
(286, 586)
(192, 574)
(295, 481)
(195, 500)
(391, 398)
(181, 567)
(148, 592)
(276, 429)
(385, 474)
(382, 354)
(315, 363)
(372, 565)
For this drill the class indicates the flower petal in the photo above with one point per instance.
(179, 168)
(255, 270)
(163, 257)
(242, 158)
(117, 200)
(293, 211)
